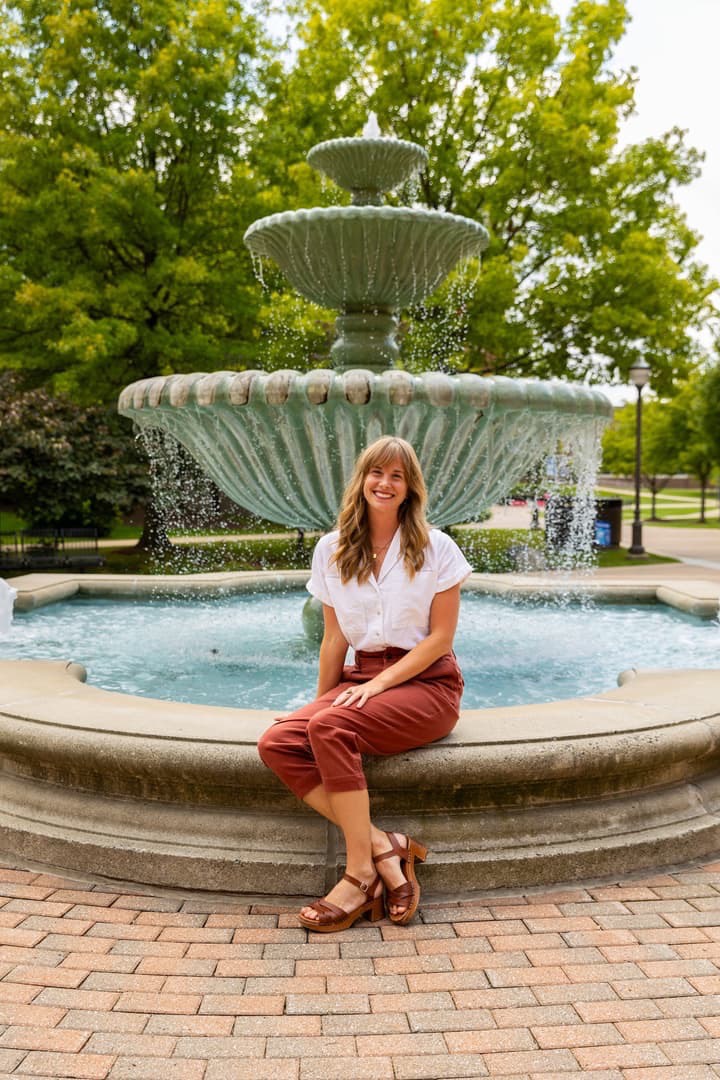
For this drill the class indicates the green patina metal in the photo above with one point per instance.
(283, 444)
(367, 260)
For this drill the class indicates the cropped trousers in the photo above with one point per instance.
(323, 744)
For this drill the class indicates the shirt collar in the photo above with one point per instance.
(392, 557)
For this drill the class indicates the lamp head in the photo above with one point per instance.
(640, 373)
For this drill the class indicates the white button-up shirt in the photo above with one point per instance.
(394, 609)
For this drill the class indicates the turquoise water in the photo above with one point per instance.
(250, 651)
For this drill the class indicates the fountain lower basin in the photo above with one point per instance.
(284, 444)
(174, 794)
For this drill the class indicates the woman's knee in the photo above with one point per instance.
(329, 725)
(271, 741)
(320, 725)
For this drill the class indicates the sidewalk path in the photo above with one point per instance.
(619, 979)
(697, 547)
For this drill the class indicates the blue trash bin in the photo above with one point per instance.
(603, 534)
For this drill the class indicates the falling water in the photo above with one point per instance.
(284, 450)
(7, 601)
(195, 515)
(186, 502)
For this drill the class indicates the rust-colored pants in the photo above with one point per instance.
(322, 743)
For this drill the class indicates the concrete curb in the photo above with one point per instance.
(697, 596)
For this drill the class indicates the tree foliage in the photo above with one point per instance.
(61, 464)
(591, 263)
(660, 457)
(139, 138)
(676, 438)
(124, 197)
(689, 431)
(709, 398)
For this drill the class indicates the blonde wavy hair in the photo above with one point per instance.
(354, 557)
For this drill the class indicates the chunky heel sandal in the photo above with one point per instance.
(332, 918)
(407, 894)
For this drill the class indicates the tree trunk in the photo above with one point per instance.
(703, 486)
(154, 537)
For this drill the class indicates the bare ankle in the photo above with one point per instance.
(366, 874)
(378, 840)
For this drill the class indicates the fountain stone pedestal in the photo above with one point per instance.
(171, 794)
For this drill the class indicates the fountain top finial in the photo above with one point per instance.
(370, 165)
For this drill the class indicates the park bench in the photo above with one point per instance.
(50, 549)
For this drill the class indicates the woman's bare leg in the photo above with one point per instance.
(350, 811)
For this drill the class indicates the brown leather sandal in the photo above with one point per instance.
(332, 918)
(409, 891)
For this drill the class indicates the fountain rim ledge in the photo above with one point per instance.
(438, 390)
(641, 703)
(369, 140)
(136, 789)
(382, 213)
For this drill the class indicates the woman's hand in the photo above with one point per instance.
(358, 695)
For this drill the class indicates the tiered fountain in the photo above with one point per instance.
(172, 794)
(283, 444)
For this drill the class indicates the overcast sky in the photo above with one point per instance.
(674, 46)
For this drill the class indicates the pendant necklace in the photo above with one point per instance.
(381, 549)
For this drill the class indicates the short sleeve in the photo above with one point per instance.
(317, 585)
(452, 566)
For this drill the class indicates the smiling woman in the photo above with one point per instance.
(390, 588)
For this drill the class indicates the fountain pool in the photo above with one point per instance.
(173, 793)
(248, 651)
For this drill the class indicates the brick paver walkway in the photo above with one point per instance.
(618, 980)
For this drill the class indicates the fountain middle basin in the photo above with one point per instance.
(169, 793)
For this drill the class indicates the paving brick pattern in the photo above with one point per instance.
(617, 980)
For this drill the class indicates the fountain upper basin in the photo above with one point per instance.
(368, 166)
(366, 258)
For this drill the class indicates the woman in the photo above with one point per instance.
(390, 588)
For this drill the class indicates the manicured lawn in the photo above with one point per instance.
(628, 491)
(674, 506)
(246, 525)
(687, 523)
(612, 557)
(10, 522)
(259, 554)
(487, 550)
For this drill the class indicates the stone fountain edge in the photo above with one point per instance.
(170, 794)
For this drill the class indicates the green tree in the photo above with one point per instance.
(662, 446)
(123, 190)
(710, 409)
(520, 115)
(61, 464)
(687, 418)
(709, 397)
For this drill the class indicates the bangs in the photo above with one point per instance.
(386, 452)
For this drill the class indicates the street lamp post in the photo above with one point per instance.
(640, 376)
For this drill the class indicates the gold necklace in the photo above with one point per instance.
(381, 549)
